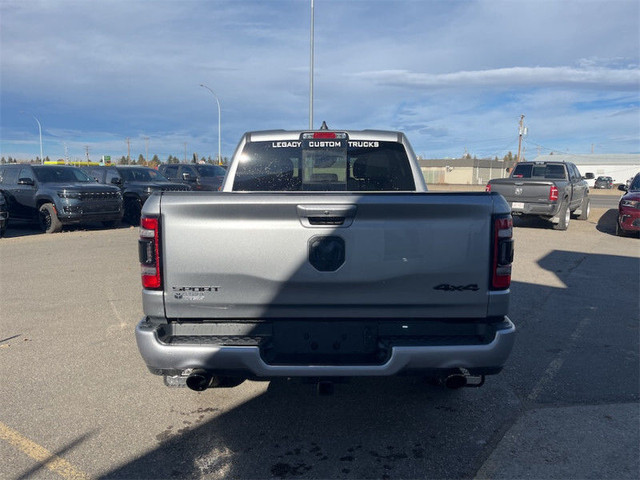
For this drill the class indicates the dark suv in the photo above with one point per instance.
(136, 184)
(198, 176)
(58, 195)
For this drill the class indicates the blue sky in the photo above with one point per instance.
(455, 76)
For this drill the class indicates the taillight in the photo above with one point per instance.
(487, 188)
(502, 252)
(149, 253)
(553, 193)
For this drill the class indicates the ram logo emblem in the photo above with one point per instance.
(326, 254)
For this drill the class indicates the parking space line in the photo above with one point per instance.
(45, 457)
(556, 364)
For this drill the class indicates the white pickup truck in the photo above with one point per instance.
(324, 256)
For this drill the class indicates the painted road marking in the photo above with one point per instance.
(555, 366)
(45, 457)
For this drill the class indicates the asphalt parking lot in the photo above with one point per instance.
(77, 401)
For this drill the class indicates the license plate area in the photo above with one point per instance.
(517, 206)
(323, 343)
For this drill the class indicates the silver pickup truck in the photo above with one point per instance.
(324, 256)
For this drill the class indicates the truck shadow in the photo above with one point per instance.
(400, 427)
(369, 428)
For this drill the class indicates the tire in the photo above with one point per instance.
(132, 207)
(564, 216)
(48, 218)
(585, 208)
(619, 230)
(110, 223)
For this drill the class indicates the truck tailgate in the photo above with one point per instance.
(527, 191)
(252, 256)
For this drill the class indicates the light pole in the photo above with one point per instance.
(219, 122)
(40, 134)
(311, 69)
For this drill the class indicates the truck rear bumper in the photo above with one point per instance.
(538, 209)
(176, 359)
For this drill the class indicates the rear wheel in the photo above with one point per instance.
(132, 207)
(48, 219)
(110, 223)
(585, 209)
(564, 215)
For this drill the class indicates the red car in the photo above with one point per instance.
(629, 209)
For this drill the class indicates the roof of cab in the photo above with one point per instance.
(380, 135)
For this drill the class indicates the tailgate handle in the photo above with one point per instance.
(326, 215)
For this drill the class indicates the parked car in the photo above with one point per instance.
(603, 182)
(4, 215)
(198, 177)
(136, 184)
(629, 209)
(58, 195)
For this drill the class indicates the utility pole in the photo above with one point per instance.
(86, 148)
(311, 71)
(521, 132)
(185, 152)
(128, 150)
(146, 150)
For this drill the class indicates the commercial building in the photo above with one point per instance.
(472, 171)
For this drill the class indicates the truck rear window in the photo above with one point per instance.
(279, 166)
(547, 172)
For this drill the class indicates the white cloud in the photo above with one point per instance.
(512, 77)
